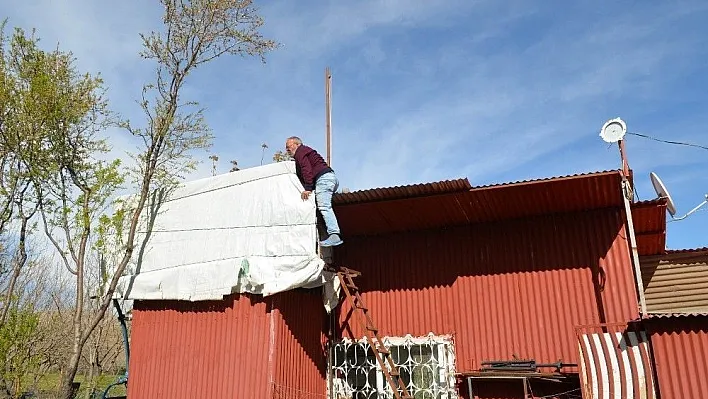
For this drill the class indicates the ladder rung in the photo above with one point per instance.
(349, 272)
(393, 376)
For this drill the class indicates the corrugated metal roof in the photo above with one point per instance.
(502, 289)
(242, 347)
(687, 251)
(676, 282)
(385, 214)
(672, 315)
(398, 192)
(649, 219)
(680, 348)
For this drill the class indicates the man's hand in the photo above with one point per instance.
(305, 195)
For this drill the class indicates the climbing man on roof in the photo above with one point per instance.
(315, 174)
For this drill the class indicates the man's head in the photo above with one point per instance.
(291, 144)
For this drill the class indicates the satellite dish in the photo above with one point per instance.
(662, 192)
(613, 130)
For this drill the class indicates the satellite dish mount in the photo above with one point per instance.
(662, 192)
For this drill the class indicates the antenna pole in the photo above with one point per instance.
(328, 114)
(627, 196)
(623, 155)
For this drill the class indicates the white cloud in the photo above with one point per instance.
(430, 90)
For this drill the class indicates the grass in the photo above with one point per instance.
(49, 383)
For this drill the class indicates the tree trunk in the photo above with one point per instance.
(68, 389)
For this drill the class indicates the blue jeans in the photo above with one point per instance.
(325, 187)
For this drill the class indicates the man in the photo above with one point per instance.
(314, 173)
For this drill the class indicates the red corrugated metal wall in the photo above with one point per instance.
(513, 389)
(242, 347)
(514, 288)
(301, 361)
(680, 346)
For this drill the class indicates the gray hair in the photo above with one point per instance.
(295, 139)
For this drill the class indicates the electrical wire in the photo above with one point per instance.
(558, 394)
(669, 141)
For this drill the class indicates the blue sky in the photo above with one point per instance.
(491, 90)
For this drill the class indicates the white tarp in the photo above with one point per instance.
(245, 231)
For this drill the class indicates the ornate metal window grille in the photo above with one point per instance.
(426, 365)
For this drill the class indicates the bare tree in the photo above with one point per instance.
(196, 32)
(281, 156)
(214, 159)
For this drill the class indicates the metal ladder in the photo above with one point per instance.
(383, 355)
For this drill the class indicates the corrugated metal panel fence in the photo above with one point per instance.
(615, 362)
(680, 346)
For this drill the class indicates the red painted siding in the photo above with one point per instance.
(300, 363)
(386, 211)
(680, 346)
(245, 346)
(650, 226)
(512, 288)
(514, 389)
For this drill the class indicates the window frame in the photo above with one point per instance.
(444, 361)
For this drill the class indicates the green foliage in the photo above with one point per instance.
(53, 120)
(17, 338)
(53, 145)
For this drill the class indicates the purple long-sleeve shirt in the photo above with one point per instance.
(309, 165)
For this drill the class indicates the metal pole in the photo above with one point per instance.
(625, 163)
(328, 113)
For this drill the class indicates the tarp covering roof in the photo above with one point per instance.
(245, 231)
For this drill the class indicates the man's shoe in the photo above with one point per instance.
(331, 241)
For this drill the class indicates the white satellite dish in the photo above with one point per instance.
(662, 192)
(613, 130)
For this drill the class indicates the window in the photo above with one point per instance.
(426, 365)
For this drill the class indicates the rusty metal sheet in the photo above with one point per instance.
(380, 213)
(615, 362)
(242, 347)
(680, 347)
(506, 289)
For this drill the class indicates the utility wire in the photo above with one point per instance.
(669, 141)
(559, 394)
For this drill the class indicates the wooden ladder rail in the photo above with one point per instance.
(382, 354)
